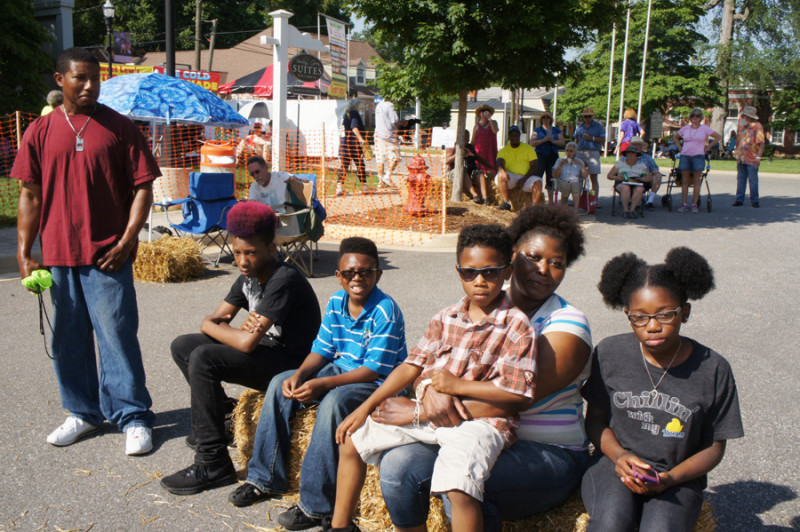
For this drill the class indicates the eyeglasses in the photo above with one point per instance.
(664, 317)
(363, 273)
(488, 274)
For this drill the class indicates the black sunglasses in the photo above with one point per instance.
(363, 273)
(488, 274)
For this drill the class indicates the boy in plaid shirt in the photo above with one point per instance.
(483, 348)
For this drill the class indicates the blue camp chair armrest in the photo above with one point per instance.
(170, 203)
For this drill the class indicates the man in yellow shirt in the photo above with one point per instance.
(516, 166)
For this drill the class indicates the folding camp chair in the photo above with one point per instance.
(299, 227)
(205, 210)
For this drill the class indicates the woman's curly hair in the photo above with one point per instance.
(685, 274)
(554, 221)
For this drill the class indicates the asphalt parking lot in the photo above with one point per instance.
(748, 318)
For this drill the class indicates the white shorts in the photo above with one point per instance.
(514, 179)
(591, 158)
(467, 452)
(386, 151)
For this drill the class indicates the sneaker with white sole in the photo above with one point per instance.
(139, 440)
(385, 182)
(339, 190)
(70, 431)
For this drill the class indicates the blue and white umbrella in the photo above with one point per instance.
(161, 98)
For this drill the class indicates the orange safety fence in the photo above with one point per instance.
(410, 210)
(11, 128)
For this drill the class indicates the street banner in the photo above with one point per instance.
(120, 70)
(338, 44)
(207, 80)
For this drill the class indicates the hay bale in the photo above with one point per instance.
(168, 260)
(372, 514)
(519, 199)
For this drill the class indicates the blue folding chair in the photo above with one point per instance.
(205, 210)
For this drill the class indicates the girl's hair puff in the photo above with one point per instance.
(554, 221)
(248, 219)
(685, 274)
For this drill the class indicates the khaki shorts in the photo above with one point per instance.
(569, 187)
(467, 452)
(386, 151)
(591, 158)
(514, 179)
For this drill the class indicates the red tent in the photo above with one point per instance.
(259, 83)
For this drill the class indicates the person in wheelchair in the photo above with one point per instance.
(652, 187)
(630, 174)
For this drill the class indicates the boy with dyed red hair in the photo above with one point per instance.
(283, 319)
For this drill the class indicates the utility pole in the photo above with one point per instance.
(211, 44)
(169, 23)
(198, 29)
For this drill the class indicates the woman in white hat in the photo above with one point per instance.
(749, 147)
(630, 175)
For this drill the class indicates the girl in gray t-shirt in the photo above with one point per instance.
(661, 406)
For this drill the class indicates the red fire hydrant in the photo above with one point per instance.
(419, 183)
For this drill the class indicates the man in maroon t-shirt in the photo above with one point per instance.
(87, 176)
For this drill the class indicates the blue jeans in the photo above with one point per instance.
(745, 173)
(267, 468)
(89, 303)
(613, 507)
(528, 478)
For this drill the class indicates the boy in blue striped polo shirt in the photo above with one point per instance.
(361, 340)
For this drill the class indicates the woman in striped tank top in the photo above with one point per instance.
(544, 467)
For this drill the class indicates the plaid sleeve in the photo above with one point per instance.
(516, 362)
(423, 353)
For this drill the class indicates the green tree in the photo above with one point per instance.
(236, 20)
(758, 48)
(23, 63)
(673, 77)
(452, 47)
(786, 106)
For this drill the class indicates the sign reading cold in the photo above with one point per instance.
(207, 80)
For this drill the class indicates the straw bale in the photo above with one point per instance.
(168, 260)
(519, 198)
(567, 517)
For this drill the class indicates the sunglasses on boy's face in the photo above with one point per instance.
(488, 274)
(363, 273)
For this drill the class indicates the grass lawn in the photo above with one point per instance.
(777, 166)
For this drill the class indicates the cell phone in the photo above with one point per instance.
(648, 475)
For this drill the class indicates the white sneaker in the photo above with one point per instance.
(339, 190)
(139, 440)
(385, 181)
(70, 431)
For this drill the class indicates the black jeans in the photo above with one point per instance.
(206, 363)
(545, 169)
(614, 507)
